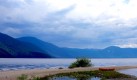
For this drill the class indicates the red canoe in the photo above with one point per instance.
(106, 69)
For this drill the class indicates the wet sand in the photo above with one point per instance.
(12, 75)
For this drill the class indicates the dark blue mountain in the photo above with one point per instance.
(76, 53)
(31, 47)
(13, 48)
(55, 50)
(5, 54)
(109, 52)
(48, 47)
(118, 52)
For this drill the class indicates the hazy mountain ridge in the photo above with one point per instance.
(48, 47)
(11, 47)
(109, 52)
(31, 47)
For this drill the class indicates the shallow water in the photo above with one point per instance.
(129, 72)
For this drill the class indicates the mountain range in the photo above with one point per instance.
(13, 48)
(31, 47)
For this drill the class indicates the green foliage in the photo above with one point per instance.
(86, 75)
(36, 78)
(81, 62)
(22, 77)
(25, 77)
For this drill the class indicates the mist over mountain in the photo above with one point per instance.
(32, 47)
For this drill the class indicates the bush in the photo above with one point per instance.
(81, 62)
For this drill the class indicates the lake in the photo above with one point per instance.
(23, 63)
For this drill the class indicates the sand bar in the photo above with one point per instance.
(12, 75)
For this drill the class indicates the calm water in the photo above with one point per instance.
(15, 64)
(130, 72)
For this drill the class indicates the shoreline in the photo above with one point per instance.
(12, 75)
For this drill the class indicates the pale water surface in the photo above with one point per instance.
(130, 72)
(21, 63)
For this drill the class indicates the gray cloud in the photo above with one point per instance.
(66, 27)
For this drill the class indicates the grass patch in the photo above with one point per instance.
(22, 77)
(25, 77)
(85, 75)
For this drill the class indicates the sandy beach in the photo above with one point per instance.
(12, 75)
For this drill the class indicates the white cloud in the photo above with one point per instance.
(98, 10)
(130, 45)
(89, 10)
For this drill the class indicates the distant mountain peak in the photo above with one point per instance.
(112, 47)
(29, 37)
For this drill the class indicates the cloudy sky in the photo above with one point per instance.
(72, 23)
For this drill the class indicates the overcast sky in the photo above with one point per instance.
(72, 23)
